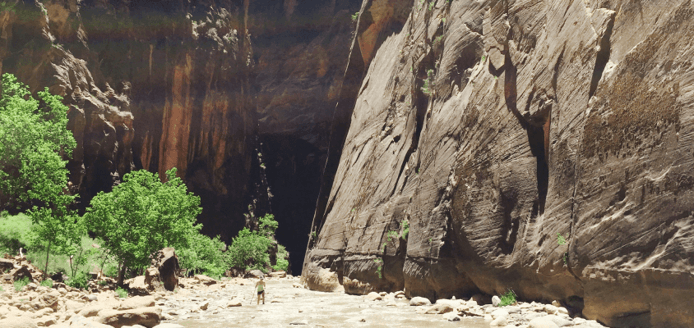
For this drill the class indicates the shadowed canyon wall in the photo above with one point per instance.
(237, 95)
(470, 135)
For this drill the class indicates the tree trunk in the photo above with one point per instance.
(121, 274)
(48, 251)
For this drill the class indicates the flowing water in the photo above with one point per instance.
(286, 306)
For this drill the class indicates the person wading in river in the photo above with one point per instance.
(260, 287)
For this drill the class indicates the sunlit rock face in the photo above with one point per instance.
(214, 89)
(492, 128)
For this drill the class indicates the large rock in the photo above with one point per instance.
(18, 322)
(543, 146)
(324, 281)
(166, 263)
(148, 317)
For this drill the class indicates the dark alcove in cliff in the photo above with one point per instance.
(293, 168)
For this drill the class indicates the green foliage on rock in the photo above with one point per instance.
(282, 262)
(47, 283)
(508, 299)
(143, 215)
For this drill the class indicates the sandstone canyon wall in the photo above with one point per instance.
(487, 129)
(214, 88)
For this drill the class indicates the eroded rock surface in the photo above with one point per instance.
(481, 135)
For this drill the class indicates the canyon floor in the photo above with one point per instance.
(205, 302)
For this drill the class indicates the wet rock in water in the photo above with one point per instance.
(440, 308)
(203, 279)
(235, 302)
(499, 322)
(419, 301)
(451, 316)
(496, 300)
(148, 317)
(373, 296)
(168, 325)
(543, 322)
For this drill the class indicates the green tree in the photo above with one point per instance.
(34, 139)
(142, 215)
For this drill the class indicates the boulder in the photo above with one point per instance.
(166, 263)
(136, 302)
(205, 280)
(234, 302)
(542, 322)
(278, 274)
(324, 281)
(148, 317)
(6, 265)
(18, 322)
(496, 300)
(138, 286)
(255, 274)
(440, 308)
(419, 301)
(79, 321)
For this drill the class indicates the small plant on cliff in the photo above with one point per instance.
(431, 5)
(379, 269)
(405, 229)
(561, 241)
(355, 16)
(508, 299)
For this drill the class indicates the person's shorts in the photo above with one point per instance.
(260, 292)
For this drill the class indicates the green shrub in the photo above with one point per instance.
(78, 281)
(355, 16)
(2, 289)
(19, 284)
(379, 270)
(282, 262)
(249, 251)
(103, 283)
(121, 293)
(15, 232)
(204, 255)
(47, 283)
(508, 298)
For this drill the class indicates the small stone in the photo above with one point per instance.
(450, 316)
(204, 306)
(563, 310)
(543, 322)
(373, 296)
(496, 300)
(299, 323)
(500, 313)
(556, 303)
(551, 309)
(234, 303)
(499, 322)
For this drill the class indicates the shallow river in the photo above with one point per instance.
(286, 306)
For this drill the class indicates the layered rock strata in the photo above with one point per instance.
(542, 146)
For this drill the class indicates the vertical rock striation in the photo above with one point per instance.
(470, 135)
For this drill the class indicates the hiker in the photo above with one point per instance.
(260, 286)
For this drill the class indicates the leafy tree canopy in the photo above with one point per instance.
(142, 215)
(33, 139)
